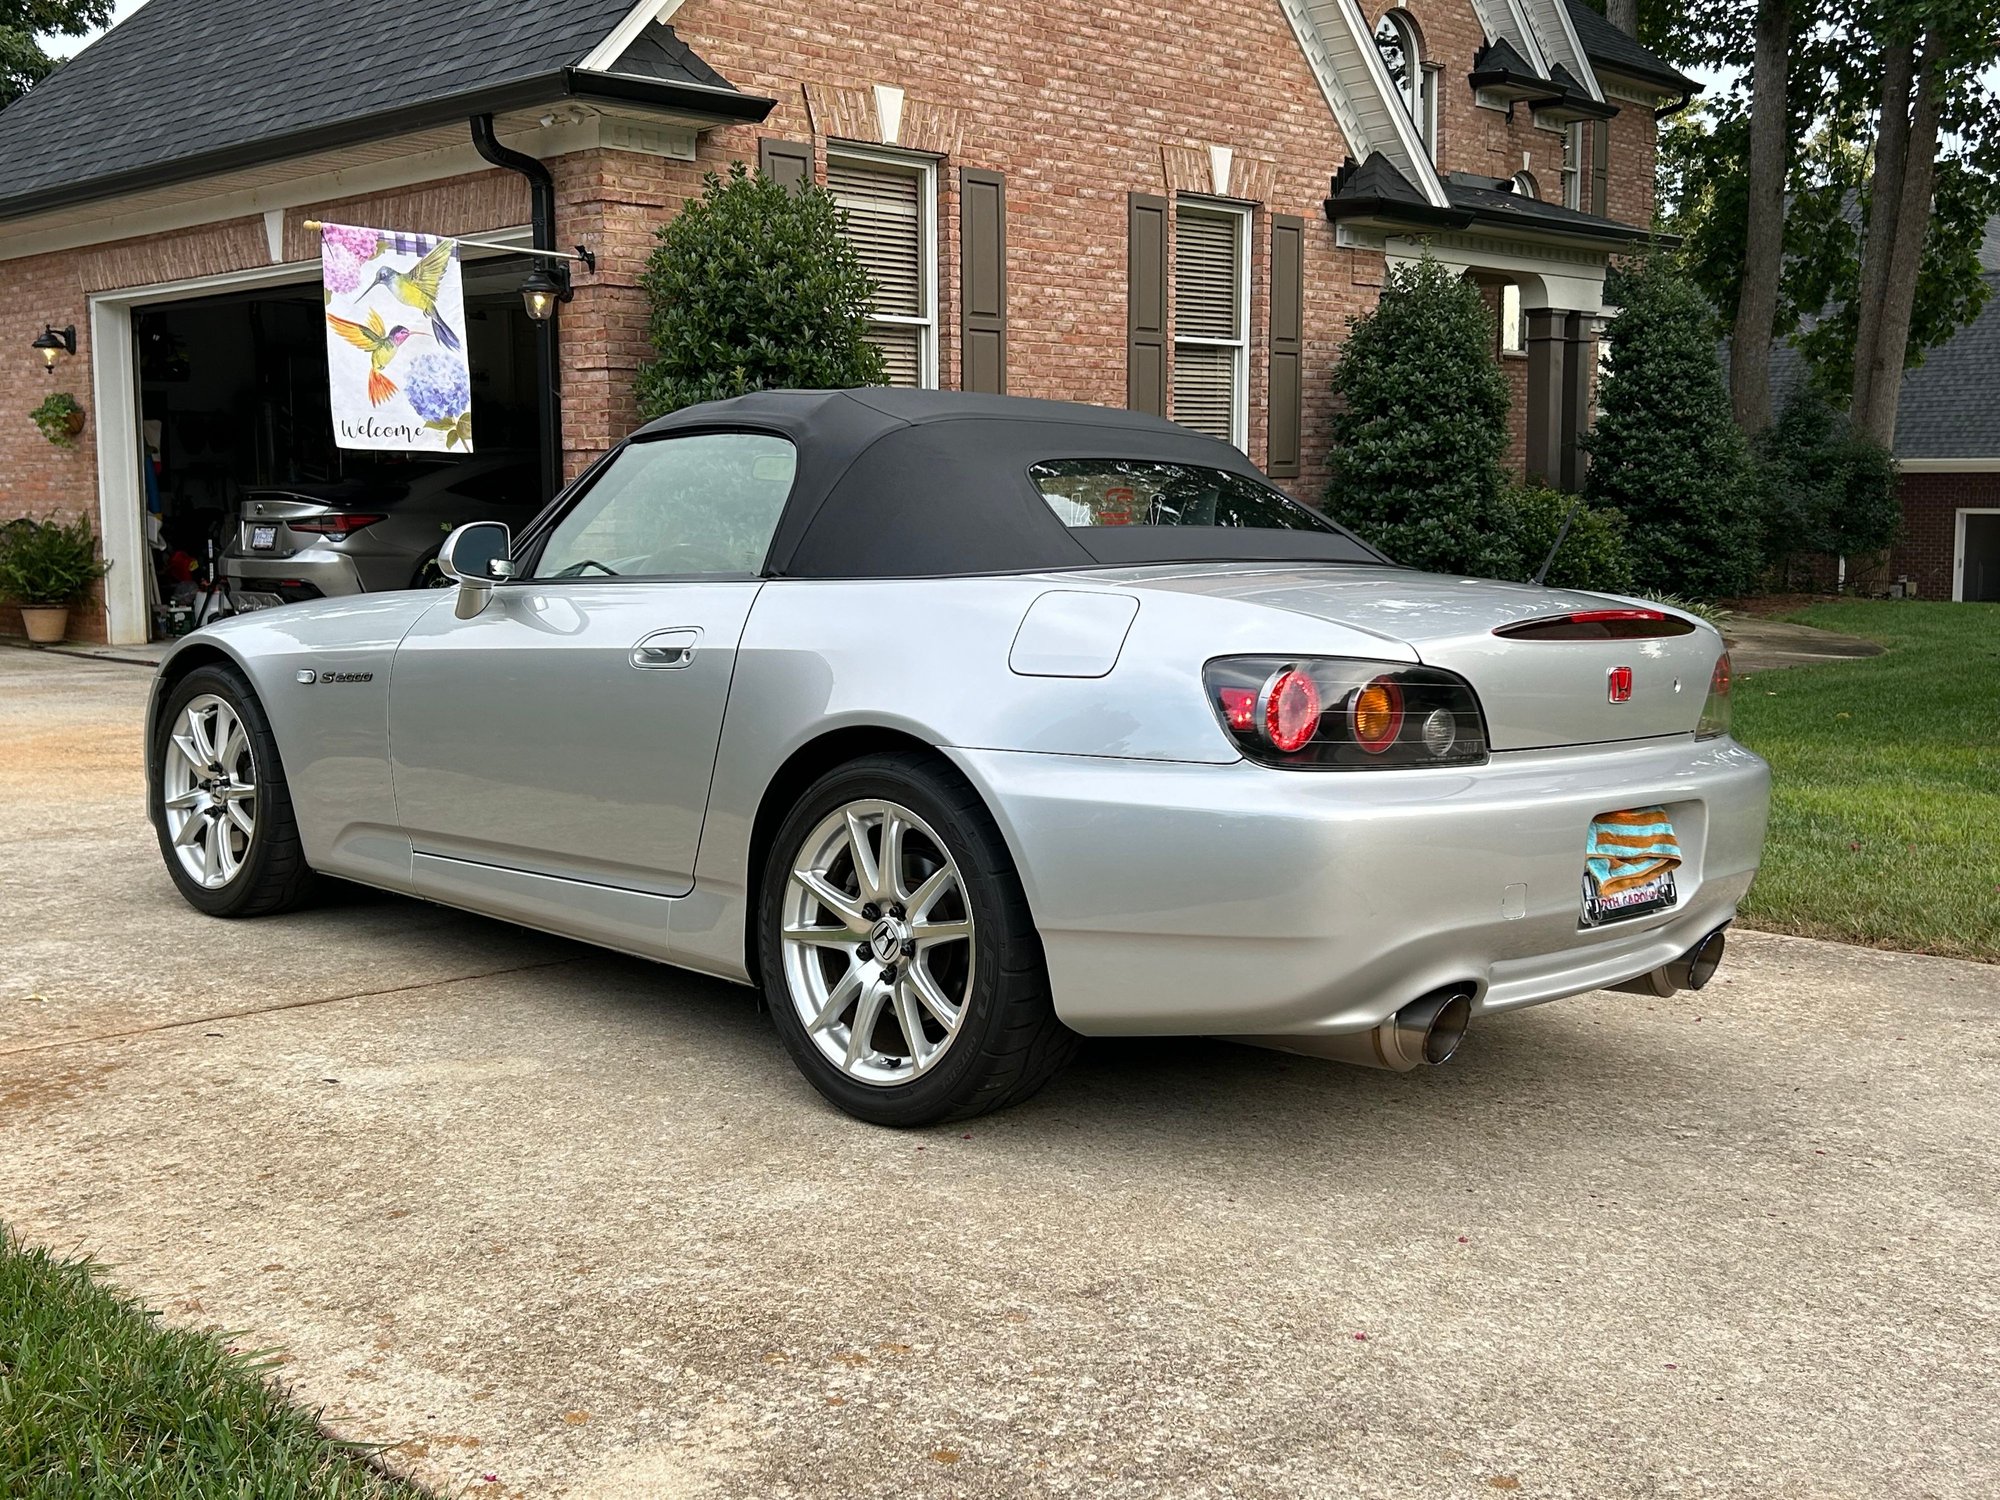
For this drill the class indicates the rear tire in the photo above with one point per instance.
(951, 948)
(219, 801)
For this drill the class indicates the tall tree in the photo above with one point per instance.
(1624, 14)
(23, 63)
(1764, 226)
(1899, 211)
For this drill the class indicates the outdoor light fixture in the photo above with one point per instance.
(53, 343)
(548, 285)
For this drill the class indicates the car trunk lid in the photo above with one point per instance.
(1537, 690)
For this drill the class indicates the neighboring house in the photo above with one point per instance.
(1176, 208)
(1947, 451)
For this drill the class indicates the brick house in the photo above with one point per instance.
(1948, 449)
(1172, 208)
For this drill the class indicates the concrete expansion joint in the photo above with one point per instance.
(267, 1010)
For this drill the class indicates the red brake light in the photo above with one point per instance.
(1715, 715)
(1621, 624)
(1291, 710)
(343, 523)
(1377, 715)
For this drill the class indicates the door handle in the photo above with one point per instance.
(665, 650)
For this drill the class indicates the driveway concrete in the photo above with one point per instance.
(526, 1210)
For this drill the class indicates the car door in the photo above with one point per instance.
(569, 728)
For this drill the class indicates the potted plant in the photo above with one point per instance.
(60, 419)
(45, 568)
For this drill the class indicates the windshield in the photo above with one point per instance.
(1093, 492)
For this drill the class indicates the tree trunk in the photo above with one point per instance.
(1884, 356)
(1624, 14)
(1764, 224)
(1885, 200)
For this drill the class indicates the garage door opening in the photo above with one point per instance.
(1979, 556)
(235, 424)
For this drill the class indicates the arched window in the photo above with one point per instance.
(1403, 55)
(1526, 186)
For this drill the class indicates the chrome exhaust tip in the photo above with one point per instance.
(1423, 1033)
(1691, 971)
(1427, 1032)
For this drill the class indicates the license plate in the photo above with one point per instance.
(263, 538)
(1629, 866)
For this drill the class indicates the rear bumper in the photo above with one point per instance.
(332, 573)
(1195, 899)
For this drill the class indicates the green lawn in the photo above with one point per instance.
(1885, 815)
(97, 1398)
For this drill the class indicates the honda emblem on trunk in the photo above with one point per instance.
(1620, 684)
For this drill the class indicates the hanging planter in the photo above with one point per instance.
(60, 419)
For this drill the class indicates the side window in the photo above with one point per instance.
(707, 504)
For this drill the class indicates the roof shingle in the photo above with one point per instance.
(181, 79)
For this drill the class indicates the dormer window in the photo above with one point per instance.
(1403, 56)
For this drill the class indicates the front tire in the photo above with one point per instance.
(220, 804)
(903, 969)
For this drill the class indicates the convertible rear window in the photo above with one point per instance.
(1093, 492)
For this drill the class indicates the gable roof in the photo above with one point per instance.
(183, 88)
(1612, 50)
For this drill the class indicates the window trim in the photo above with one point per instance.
(925, 169)
(1240, 215)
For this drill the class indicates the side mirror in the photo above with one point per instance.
(475, 557)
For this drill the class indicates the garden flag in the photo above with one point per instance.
(395, 340)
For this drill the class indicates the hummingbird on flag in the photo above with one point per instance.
(419, 289)
(380, 345)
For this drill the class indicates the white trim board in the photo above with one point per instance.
(1958, 546)
(600, 58)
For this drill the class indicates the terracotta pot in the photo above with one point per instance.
(47, 623)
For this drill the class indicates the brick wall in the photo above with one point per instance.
(1931, 503)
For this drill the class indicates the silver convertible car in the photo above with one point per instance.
(968, 725)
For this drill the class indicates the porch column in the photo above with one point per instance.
(1579, 362)
(1548, 345)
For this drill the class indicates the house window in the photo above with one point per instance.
(1402, 55)
(1572, 168)
(1526, 186)
(1211, 320)
(1513, 322)
(889, 206)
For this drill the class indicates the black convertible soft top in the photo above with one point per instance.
(909, 484)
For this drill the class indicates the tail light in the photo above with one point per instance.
(339, 523)
(1715, 711)
(1599, 625)
(1334, 714)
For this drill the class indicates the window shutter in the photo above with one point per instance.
(1146, 304)
(787, 163)
(1600, 165)
(982, 250)
(1286, 395)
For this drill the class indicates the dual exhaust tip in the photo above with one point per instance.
(1691, 971)
(1427, 1031)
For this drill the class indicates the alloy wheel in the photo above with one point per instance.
(209, 791)
(878, 942)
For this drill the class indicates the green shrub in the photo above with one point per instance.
(754, 288)
(1420, 428)
(49, 563)
(1594, 555)
(1665, 450)
(1826, 489)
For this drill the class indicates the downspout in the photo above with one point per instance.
(542, 209)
